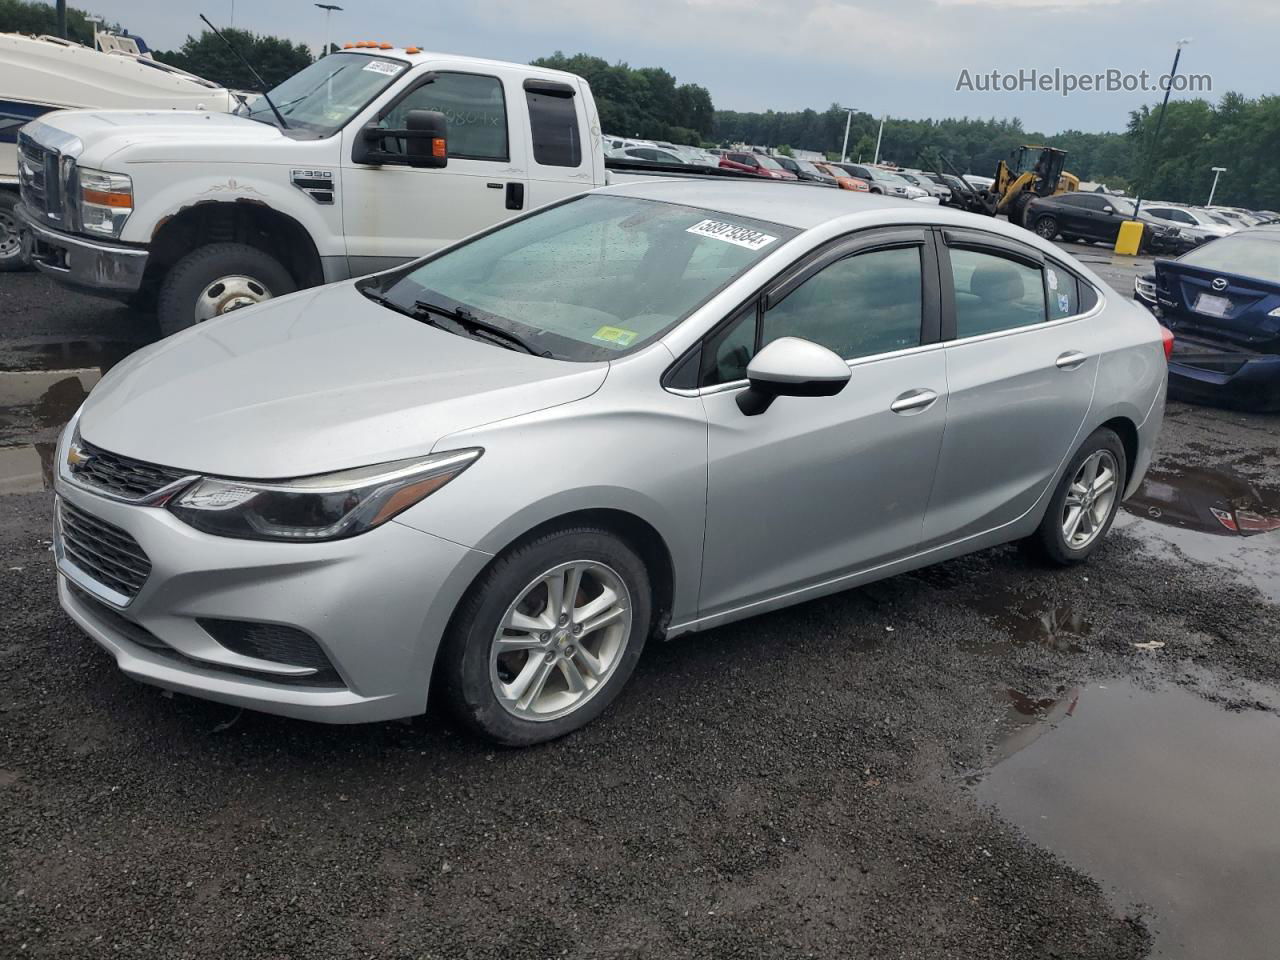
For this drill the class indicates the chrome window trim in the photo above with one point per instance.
(1042, 325)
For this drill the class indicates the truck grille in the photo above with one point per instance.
(120, 476)
(103, 551)
(39, 179)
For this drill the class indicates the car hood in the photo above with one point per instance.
(94, 136)
(317, 381)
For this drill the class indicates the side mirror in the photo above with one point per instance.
(1108, 210)
(791, 367)
(425, 137)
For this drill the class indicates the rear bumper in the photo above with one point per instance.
(1254, 385)
(106, 269)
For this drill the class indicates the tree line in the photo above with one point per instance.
(1238, 133)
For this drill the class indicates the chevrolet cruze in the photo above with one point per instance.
(647, 411)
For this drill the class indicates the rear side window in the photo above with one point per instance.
(553, 120)
(994, 293)
(1062, 291)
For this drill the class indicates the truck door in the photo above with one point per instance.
(560, 163)
(393, 212)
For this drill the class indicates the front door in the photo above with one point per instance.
(393, 212)
(1020, 374)
(816, 488)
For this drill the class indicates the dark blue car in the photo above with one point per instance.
(1222, 302)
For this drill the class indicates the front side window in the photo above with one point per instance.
(318, 101)
(994, 293)
(473, 106)
(864, 305)
(592, 278)
(553, 121)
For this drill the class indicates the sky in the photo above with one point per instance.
(903, 58)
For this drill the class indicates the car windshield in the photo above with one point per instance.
(769, 163)
(1247, 255)
(589, 279)
(318, 101)
(1121, 206)
(809, 168)
(887, 177)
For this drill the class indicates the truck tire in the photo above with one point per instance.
(1018, 209)
(11, 257)
(216, 279)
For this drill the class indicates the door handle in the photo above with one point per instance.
(515, 196)
(913, 402)
(1070, 360)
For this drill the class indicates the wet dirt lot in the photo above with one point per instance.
(982, 759)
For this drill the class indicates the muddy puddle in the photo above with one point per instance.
(97, 354)
(1028, 619)
(1211, 515)
(36, 404)
(1167, 800)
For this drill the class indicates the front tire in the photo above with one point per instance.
(214, 280)
(1085, 502)
(11, 258)
(548, 636)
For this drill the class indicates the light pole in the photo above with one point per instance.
(878, 138)
(1216, 172)
(328, 8)
(844, 150)
(1155, 139)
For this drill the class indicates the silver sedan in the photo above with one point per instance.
(642, 412)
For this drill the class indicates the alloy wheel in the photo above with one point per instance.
(560, 641)
(1089, 499)
(1047, 227)
(229, 293)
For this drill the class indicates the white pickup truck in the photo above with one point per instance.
(42, 74)
(369, 157)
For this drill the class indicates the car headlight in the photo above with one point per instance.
(105, 201)
(323, 507)
(1144, 288)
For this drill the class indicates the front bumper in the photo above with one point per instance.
(377, 606)
(93, 266)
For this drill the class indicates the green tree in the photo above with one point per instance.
(21, 16)
(276, 59)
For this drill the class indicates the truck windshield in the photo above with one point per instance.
(318, 101)
(590, 279)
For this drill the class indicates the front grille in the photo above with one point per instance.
(270, 641)
(39, 180)
(103, 551)
(121, 476)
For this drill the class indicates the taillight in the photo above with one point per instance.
(1167, 336)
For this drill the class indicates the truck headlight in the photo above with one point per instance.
(106, 200)
(324, 507)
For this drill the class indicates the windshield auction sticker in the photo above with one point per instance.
(732, 233)
(382, 66)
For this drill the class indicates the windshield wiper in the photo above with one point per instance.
(477, 326)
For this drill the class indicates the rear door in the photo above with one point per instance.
(1020, 374)
(560, 161)
(393, 212)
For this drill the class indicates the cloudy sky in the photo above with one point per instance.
(901, 57)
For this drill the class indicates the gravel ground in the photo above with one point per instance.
(798, 785)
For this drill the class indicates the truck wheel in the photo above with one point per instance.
(217, 279)
(11, 257)
(1018, 209)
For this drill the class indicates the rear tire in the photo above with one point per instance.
(11, 258)
(1083, 506)
(1018, 209)
(501, 696)
(1046, 227)
(214, 280)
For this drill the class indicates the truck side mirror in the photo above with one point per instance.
(425, 138)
